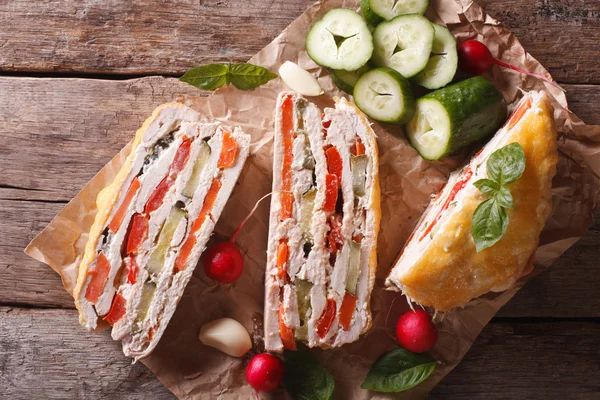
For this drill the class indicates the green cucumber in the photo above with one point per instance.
(307, 205)
(145, 300)
(340, 40)
(451, 118)
(345, 80)
(353, 268)
(194, 181)
(303, 301)
(358, 165)
(376, 11)
(404, 44)
(157, 258)
(385, 95)
(441, 68)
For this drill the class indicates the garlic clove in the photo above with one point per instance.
(227, 335)
(299, 79)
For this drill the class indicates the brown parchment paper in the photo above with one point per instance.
(193, 371)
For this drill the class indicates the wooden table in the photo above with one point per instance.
(76, 80)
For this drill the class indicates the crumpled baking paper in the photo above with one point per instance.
(193, 371)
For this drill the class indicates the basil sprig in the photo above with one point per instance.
(490, 219)
(398, 370)
(243, 76)
(305, 378)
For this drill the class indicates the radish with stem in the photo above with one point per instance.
(475, 58)
(223, 262)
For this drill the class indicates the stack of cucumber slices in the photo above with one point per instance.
(379, 65)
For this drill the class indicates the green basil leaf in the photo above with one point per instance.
(247, 76)
(506, 164)
(504, 198)
(305, 378)
(489, 223)
(487, 187)
(243, 76)
(398, 370)
(207, 77)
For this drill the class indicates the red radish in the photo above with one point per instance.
(264, 372)
(415, 331)
(475, 58)
(223, 262)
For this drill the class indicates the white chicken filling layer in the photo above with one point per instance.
(326, 280)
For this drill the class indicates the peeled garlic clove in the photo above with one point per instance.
(227, 335)
(299, 80)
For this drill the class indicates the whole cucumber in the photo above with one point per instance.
(453, 117)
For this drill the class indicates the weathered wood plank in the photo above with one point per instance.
(23, 280)
(46, 354)
(56, 134)
(561, 34)
(150, 37)
(558, 360)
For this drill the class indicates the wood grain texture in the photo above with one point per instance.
(561, 34)
(55, 134)
(150, 37)
(45, 354)
(534, 361)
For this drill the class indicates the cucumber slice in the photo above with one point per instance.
(345, 80)
(403, 44)
(145, 300)
(376, 11)
(353, 268)
(451, 118)
(358, 165)
(385, 95)
(303, 301)
(340, 40)
(441, 68)
(157, 259)
(307, 205)
(192, 183)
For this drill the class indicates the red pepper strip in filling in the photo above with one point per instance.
(228, 151)
(287, 135)
(334, 163)
(458, 186)
(326, 125)
(287, 334)
(137, 232)
(326, 319)
(158, 195)
(282, 256)
(347, 310)
(98, 279)
(360, 148)
(117, 310)
(117, 219)
(287, 202)
(190, 242)
(518, 113)
(358, 238)
(133, 269)
(181, 157)
(331, 192)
